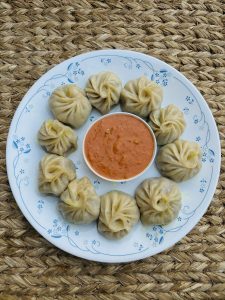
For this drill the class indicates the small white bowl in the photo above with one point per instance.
(127, 179)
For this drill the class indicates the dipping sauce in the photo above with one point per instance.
(119, 146)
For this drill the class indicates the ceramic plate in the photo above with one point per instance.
(24, 154)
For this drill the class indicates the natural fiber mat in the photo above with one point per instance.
(34, 36)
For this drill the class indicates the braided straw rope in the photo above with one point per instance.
(34, 36)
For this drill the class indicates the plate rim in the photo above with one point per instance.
(128, 258)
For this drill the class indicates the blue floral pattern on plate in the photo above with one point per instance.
(23, 155)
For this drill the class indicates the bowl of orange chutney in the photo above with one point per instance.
(119, 146)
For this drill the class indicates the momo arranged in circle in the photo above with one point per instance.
(104, 189)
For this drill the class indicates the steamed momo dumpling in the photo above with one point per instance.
(70, 105)
(55, 173)
(56, 137)
(118, 214)
(103, 90)
(141, 96)
(180, 160)
(80, 203)
(159, 200)
(167, 123)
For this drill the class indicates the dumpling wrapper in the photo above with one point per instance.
(103, 90)
(167, 123)
(56, 137)
(80, 203)
(159, 201)
(55, 173)
(141, 96)
(118, 214)
(180, 160)
(70, 105)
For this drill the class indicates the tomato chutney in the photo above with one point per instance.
(119, 146)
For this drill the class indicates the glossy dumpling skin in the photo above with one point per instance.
(118, 214)
(103, 90)
(56, 137)
(55, 173)
(180, 160)
(80, 203)
(167, 123)
(70, 105)
(159, 200)
(141, 96)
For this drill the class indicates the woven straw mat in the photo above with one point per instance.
(35, 36)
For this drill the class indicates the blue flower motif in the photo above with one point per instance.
(94, 242)
(157, 74)
(156, 239)
(179, 219)
(195, 119)
(186, 110)
(91, 118)
(73, 72)
(198, 138)
(40, 205)
(211, 160)
(165, 82)
(17, 141)
(189, 100)
(22, 171)
(21, 149)
(77, 232)
(96, 181)
(157, 81)
(203, 180)
(201, 190)
(105, 61)
(22, 138)
(49, 231)
(138, 66)
(140, 247)
(203, 159)
(28, 146)
(55, 221)
(155, 228)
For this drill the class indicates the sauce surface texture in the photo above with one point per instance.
(119, 146)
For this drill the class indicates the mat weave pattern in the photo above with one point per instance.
(35, 36)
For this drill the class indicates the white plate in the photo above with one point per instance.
(24, 153)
